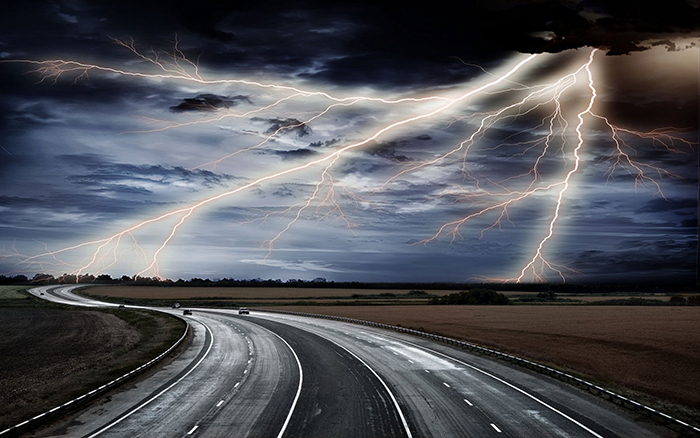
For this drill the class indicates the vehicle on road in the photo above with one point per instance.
(121, 306)
(187, 312)
(243, 311)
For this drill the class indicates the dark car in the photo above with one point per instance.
(121, 306)
(243, 311)
(187, 312)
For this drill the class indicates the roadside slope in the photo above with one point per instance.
(52, 355)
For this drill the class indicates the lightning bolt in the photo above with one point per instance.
(176, 66)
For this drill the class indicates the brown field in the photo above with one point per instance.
(284, 295)
(232, 293)
(653, 350)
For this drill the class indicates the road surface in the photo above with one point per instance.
(272, 375)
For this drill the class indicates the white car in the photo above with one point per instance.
(243, 311)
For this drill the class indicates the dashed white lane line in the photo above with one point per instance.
(427, 371)
(468, 402)
(510, 385)
(410, 361)
(446, 385)
(496, 428)
(236, 385)
(220, 403)
(395, 353)
(195, 428)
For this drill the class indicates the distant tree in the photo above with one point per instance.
(548, 295)
(677, 300)
(473, 297)
(103, 278)
(694, 300)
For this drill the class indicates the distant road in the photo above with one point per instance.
(270, 375)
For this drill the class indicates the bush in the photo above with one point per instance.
(547, 295)
(677, 300)
(472, 297)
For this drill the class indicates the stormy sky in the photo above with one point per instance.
(91, 153)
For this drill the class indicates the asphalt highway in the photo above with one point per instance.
(272, 375)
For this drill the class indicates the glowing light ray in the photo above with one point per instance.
(483, 126)
(54, 69)
(622, 157)
(565, 185)
(275, 134)
(176, 66)
(270, 243)
(329, 157)
(228, 115)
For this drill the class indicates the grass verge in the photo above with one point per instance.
(53, 353)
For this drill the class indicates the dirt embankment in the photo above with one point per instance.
(654, 350)
(50, 356)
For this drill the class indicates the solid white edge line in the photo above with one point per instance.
(301, 380)
(166, 352)
(509, 385)
(393, 399)
(114, 423)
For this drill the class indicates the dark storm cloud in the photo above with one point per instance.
(59, 203)
(209, 102)
(381, 43)
(295, 154)
(659, 260)
(387, 150)
(325, 144)
(664, 205)
(286, 125)
(108, 174)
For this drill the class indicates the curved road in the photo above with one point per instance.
(270, 375)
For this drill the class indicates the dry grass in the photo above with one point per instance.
(655, 350)
(51, 355)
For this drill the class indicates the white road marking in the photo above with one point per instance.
(72, 302)
(509, 385)
(496, 428)
(468, 402)
(393, 399)
(109, 426)
(446, 385)
(427, 371)
(301, 380)
(410, 361)
(220, 403)
(236, 385)
(195, 428)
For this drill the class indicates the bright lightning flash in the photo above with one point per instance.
(555, 138)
